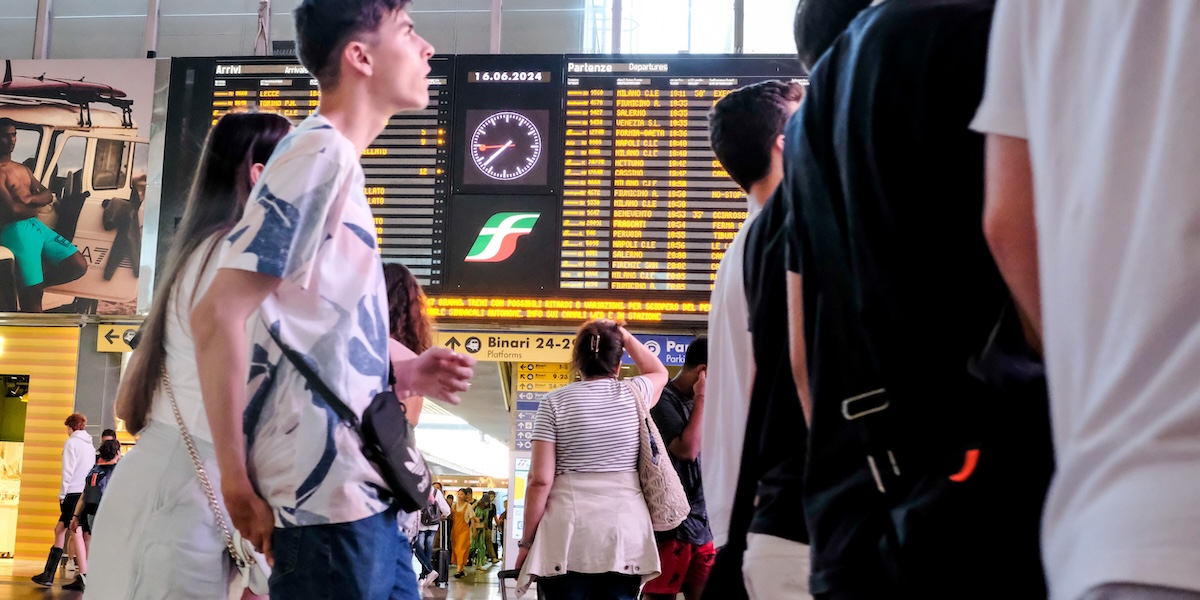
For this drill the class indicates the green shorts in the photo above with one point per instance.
(31, 242)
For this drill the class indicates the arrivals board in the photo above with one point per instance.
(534, 188)
(405, 170)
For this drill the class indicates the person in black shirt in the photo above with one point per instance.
(884, 188)
(686, 552)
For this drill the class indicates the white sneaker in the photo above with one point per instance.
(429, 579)
(70, 564)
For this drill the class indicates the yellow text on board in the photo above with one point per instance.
(509, 347)
(115, 338)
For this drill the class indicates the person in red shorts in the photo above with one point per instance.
(686, 552)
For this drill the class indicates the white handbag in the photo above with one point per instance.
(251, 565)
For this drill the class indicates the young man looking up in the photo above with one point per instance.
(303, 262)
(745, 130)
(687, 551)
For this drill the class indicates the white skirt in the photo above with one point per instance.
(155, 537)
(594, 523)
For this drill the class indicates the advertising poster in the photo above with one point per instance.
(73, 166)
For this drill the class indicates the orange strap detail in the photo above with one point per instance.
(972, 460)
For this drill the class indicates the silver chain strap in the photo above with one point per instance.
(203, 475)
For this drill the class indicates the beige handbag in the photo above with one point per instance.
(667, 502)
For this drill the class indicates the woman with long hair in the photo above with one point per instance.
(411, 333)
(156, 535)
(409, 328)
(462, 514)
(587, 528)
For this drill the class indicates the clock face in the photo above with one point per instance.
(506, 146)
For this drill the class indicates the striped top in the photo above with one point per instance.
(593, 424)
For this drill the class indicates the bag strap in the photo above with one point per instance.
(644, 418)
(203, 476)
(343, 412)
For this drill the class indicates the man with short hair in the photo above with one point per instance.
(686, 552)
(745, 130)
(884, 182)
(1092, 214)
(44, 258)
(302, 269)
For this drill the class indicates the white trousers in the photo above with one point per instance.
(775, 568)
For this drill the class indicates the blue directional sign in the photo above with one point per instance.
(670, 349)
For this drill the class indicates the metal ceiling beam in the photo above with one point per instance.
(41, 32)
(153, 15)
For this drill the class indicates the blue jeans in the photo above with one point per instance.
(589, 586)
(425, 550)
(364, 560)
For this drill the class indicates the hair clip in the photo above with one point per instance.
(595, 342)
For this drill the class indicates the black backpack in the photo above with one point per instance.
(432, 514)
(97, 480)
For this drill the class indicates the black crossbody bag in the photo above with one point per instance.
(388, 440)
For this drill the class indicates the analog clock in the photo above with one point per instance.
(506, 146)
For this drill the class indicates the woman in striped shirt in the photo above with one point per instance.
(586, 522)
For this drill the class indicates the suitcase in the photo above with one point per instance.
(507, 579)
(441, 556)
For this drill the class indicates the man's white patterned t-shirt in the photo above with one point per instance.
(308, 223)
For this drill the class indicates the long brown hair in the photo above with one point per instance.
(407, 322)
(214, 206)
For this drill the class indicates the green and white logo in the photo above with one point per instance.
(498, 239)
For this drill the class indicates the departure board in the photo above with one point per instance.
(543, 189)
(406, 170)
(646, 204)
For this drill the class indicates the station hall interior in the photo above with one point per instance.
(950, 292)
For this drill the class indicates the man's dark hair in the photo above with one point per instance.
(819, 22)
(697, 353)
(109, 449)
(744, 125)
(108, 433)
(324, 27)
(6, 122)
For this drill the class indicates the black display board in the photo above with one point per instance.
(539, 188)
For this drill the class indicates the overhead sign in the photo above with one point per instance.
(670, 349)
(509, 347)
(115, 338)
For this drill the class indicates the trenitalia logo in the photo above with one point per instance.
(498, 239)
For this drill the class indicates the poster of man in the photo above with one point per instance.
(73, 166)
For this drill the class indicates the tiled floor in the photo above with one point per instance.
(15, 584)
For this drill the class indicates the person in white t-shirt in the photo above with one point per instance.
(302, 269)
(746, 132)
(1092, 112)
(141, 549)
(79, 456)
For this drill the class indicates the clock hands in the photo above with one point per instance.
(502, 148)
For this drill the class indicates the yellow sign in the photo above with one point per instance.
(543, 386)
(505, 347)
(115, 338)
(544, 367)
(563, 377)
